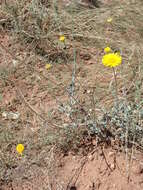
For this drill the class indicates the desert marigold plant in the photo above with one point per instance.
(62, 38)
(109, 19)
(20, 148)
(48, 66)
(111, 60)
(107, 50)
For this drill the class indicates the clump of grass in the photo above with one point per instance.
(36, 23)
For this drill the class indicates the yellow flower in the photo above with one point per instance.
(20, 148)
(48, 66)
(107, 49)
(111, 60)
(109, 19)
(62, 38)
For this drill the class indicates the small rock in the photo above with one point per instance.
(14, 62)
(112, 166)
(88, 91)
(91, 157)
(94, 142)
(11, 115)
(4, 114)
(111, 154)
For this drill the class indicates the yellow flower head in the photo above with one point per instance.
(20, 148)
(111, 60)
(62, 38)
(48, 66)
(107, 50)
(109, 19)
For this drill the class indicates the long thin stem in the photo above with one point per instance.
(74, 67)
(116, 86)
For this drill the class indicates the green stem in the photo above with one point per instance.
(116, 86)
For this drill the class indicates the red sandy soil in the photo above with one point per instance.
(103, 170)
(95, 173)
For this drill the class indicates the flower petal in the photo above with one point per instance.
(111, 60)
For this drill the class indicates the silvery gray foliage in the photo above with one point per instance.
(92, 126)
(118, 120)
(125, 116)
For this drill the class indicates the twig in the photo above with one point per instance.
(76, 175)
(116, 87)
(74, 67)
(106, 160)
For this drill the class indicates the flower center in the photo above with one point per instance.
(112, 59)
